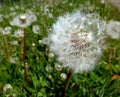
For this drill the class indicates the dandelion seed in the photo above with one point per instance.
(74, 38)
(113, 29)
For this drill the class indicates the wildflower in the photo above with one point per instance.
(75, 39)
(36, 29)
(23, 20)
(19, 33)
(6, 30)
(113, 29)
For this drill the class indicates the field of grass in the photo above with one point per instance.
(46, 77)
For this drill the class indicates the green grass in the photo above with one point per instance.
(104, 81)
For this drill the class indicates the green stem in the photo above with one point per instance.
(67, 82)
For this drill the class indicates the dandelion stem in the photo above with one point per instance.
(6, 48)
(67, 82)
(24, 58)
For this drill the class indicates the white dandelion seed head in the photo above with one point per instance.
(7, 89)
(19, 33)
(36, 29)
(23, 20)
(6, 30)
(63, 76)
(14, 42)
(44, 41)
(113, 29)
(51, 55)
(74, 39)
(58, 67)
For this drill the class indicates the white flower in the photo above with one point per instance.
(23, 20)
(19, 33)
(113, 29)
(36, 29)
(75, 39)
(6, 30)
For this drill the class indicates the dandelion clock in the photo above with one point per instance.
(77, 39)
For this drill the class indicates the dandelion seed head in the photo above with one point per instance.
(23, 20)
(113, 29)
(58, 67)
(6, 30)
(36, 29)
(74, 39)
(19, 33)
(7, 89)
(63, 75)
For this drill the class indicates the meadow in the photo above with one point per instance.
(27, 66)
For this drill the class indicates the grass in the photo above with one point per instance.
(44, 76)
